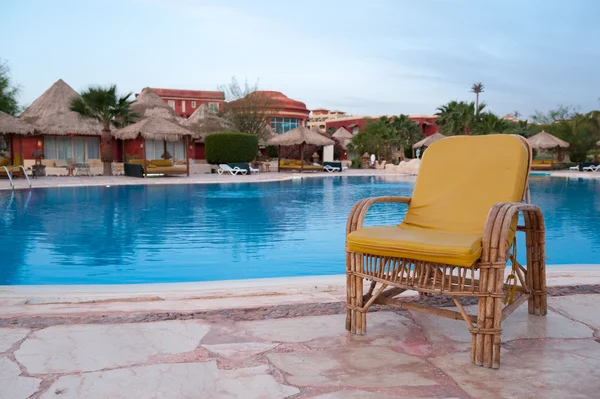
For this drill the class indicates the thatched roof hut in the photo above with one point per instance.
(153, 128)
(11, 125)
(427, 141)
(204, 122)
(51, 113)
(343, 136)
(546, 141)
(300, 136)
(148, 103)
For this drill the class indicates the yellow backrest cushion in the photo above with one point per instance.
(161, 162)
(5, 161)
(462, 177)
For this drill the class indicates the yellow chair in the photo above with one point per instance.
(455, 240)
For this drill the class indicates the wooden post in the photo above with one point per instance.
(187, 158)
(21, 158)
(278, 157)
(144, 154)
(302, 158)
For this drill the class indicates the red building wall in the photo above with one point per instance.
(427, 124)
(187, 96)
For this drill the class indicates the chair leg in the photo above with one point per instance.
(356, 317)
(536, 280)
(486, 336)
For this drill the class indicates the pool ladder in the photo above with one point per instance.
(10, 178)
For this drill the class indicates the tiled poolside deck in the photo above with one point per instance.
(283, 338)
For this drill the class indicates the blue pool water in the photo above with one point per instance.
(173, 233)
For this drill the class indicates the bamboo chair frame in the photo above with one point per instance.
(484, 279)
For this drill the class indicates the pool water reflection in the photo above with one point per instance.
(175, 233)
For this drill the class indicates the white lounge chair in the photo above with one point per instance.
(253, 170)
(232, 171)
(331, 169)
(592, 168)
(574, 167)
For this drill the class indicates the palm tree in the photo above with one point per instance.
(103, 105)
(458, 117)
(477, 88)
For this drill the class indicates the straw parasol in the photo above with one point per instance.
(148, 103)
(546, 141)
(51, 113)
(153, 128)
(427, 141)
(343, 136)
(300, 136)
(11, 125)
(204, 122)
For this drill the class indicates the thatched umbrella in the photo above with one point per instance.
(300, 136)
(427, 141)
(156, 128)
(9, 126)
(204, 122)
(546, 141)
(51, 113)
(148, 103)
(343, 136)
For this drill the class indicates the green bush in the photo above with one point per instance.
(230, 147)
(356, 163)
(272, 151)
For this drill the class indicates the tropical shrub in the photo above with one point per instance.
(230, 147)
(356, 163)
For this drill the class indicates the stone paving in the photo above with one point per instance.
(298, 354)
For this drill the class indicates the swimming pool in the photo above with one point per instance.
(176, 233)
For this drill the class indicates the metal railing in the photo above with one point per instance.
(10, 176)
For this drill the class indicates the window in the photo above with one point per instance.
(183, 106)
(193, 104)
(172, 103)
(156, 148)
(282, 125)
(213, 107)
(64, 147)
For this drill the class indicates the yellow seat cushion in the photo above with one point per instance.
(161, 162)
(4, 161)
(404, 241)
(460, 179)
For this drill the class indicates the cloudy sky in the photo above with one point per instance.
(363, 57)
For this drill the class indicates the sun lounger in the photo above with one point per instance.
(253, 170)
(455, 240)
(232, 171)
(592, 168)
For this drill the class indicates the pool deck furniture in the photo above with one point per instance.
(591, 168)
(135, 168)
(254, 170)
(455, 240)
(224, 168)
(543, 164)
(298, 165)
(332, 167)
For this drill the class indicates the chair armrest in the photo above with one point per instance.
(495, 243)
(359, 210)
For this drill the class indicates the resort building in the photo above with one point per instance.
(353, 124)
(320, 116)
(287, 113)
(185, 102)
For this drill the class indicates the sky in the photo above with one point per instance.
(364, 57)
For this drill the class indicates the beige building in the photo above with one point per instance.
(319, 117)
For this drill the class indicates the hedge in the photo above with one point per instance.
(230, 147)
